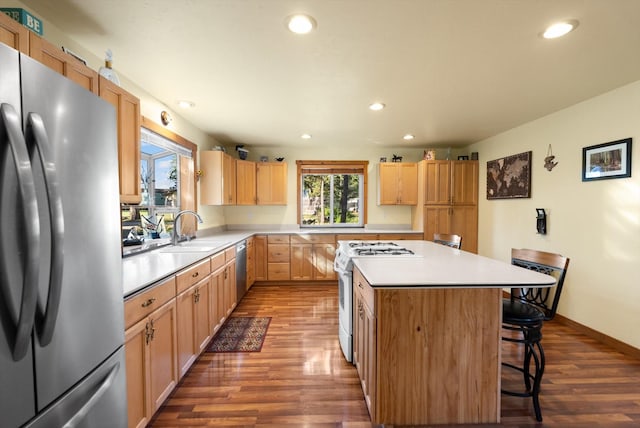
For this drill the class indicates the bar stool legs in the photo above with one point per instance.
(531, 339)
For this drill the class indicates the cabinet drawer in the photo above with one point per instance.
(313, 239)
(277, 239)
(190, 276)
(229, 254)
(217, 261)
(141, 305)
(278, 253)
(361, 286)
(278, 271)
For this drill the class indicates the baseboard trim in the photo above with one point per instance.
(594, 334)
(600, 337)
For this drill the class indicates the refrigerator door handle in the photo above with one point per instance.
(81, 414)
(27, 193)
(38, 141)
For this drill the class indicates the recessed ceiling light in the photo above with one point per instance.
(376, 106)
(559, 29)
(306, 136)
(301, 23)
(186, 104)
(408, 137)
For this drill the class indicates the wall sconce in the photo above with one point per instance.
(165, 117)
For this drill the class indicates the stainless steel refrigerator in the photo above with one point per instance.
(62, 360)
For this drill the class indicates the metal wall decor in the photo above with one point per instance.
(548, 161)
(509, 177)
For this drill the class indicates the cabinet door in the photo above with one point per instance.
(217, 305)
(60, 61)
(14, 34)
(464, 176)
(251, 262)
(364, 348)
(128, 118)
(186, 339)
(271, 183)
(388, 184)
(464, 222)
(260, 243)
(229, 172)
(230, 291)
(436, 220)
(138, 382)
(323, 256)
(408, 179)
(437, 189)
(245, 182)
(163, 362)
(301, 262)
(218, 180)
(202, 320)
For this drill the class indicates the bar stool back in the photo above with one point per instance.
(525, 312)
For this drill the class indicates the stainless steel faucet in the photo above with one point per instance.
(174, 234)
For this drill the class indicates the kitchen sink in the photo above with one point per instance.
(193, 247)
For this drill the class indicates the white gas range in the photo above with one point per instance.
(343, 265)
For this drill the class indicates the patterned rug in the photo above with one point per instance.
(240, 334)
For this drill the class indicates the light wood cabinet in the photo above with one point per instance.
(403, 350)
(312, 257)
(245, 182)
(271, 183)
(364, 338)
(128, 120)
(251, 262)
(397, 183)
(217, 307)
(194, 324)
(60, 61)
(14, 34)
(448, 201)
(218, 179)
(278, 258)
(151, 350)
(229, 280)
(260, 243)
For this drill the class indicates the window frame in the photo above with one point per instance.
(337, 168)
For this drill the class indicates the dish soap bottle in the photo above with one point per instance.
(107, 71)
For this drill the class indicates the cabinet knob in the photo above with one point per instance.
(195, 274)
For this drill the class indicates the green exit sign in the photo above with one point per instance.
(25, 18)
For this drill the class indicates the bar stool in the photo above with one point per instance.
(453, 241)
(526, 311)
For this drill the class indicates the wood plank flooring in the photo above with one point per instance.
(300, 378)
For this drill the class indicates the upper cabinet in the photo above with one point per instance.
(464, 182)
(271, 183)
(65, 64)
(451, 182)
(128, 118)
(14, 34)
(397, 183)
(218, 179)
(245, 182)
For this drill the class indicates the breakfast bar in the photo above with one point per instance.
(426, 337)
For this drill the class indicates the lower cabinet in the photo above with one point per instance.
(230, 292)
(151, 353)
(461, 220)
(364, 338)
(251, 262)
(260, 244)
(193, 323)
(312, 257)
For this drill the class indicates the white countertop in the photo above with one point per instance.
(143, 269)
(438, 266)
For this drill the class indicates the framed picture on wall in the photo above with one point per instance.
(509, 177)
(608, 160)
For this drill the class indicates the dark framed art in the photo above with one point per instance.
(608, 160)
(509, 177)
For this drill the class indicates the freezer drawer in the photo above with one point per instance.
(98, 401)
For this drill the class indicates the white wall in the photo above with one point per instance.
(596, 224)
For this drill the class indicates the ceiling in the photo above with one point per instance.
(451, 72)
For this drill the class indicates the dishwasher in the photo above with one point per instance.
(241, 269)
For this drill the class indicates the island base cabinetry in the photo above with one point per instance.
(428, 356)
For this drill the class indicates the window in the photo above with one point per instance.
(332, 193)
(159, 186)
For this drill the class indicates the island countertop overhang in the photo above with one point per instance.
(438, 266)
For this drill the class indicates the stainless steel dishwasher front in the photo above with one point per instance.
(241, 269)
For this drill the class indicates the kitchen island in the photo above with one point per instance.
(427, 334)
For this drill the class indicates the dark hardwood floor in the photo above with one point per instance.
(300, 378)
